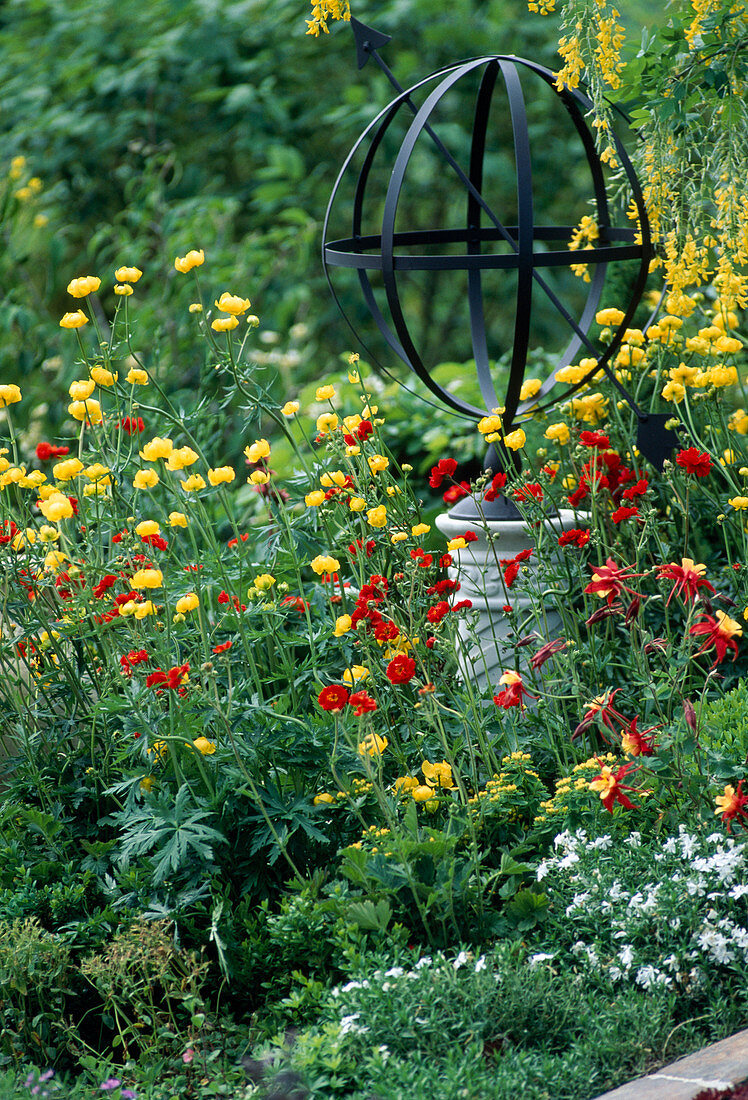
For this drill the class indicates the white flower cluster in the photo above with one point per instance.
(661, 933)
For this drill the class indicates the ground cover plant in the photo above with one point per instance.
(259, 834)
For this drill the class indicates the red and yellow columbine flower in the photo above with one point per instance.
(731, 805)
(689, 578)
(607, 580)
(608, 785)
(513, 692)
(719, 631)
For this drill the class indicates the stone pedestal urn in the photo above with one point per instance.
(484, 649)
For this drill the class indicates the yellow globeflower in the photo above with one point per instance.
(127, 274)
(740, 503)
(67, 469)
(263, 582)
(489, 424)
(326, 423)
(193, 483)
(157, 448)
(86, 284)
(56, 507)
(258, 450)
(103, 377)
(377, 517)
(529, 388)
(258, 477)
(145, 479)
(147, 578)
(357, 504)
(558, 433)
(515, 440)
(325, 563)
(420, 529)
(203, 745)
(231, 303)
(148, 527)
(224, 324)
(372, 745)
(324, 393)
(323, 798)
(314, 499)
(422, 793)
(609, 316)
(377, 463)
(54, 561)
(290, 408)
(177, 519)
(73, 320)
(122, 290)
(399, 536)
(355, 673)
(81, 389)
(180, 457)
(141, 610)
(86, 410)
(194, 258)
(187, 603)
(343, 624)
(9, 395)
(221, 475)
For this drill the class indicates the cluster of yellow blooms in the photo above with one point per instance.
(322, 10)
(574, 789)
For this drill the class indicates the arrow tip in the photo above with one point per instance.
(367, 40)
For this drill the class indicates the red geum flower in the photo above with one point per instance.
(45, 451)
(368, 548)
(156, 541)
(133, 425)
(636, 742)
(512, 565)
(298, 603)
(731, 804)
(598, 440)
(442, 587)
(401, 669)
(134, 657)
(235, 542)
(623, 513)
(637, 490)
(513, 692)
(362, 703)
(461, 605)
(689, 577)
(436, 613)
(608, 785)
(445, 467)
(223, 597)
(223, 646)
(172, 679)
(577, 536)
(531, 491)
(422, 558)
(333, 698)
(456, 492)
(607, 580)
(498, 482)
(720, 632)
(694, 461)
(104, 585)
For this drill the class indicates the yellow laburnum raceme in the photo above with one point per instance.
(103, 377)
(76, 319)
(258, 450)
(232, 303)
(181, 457)
(10, 394)
(187, 603)
(157, 448)
(81, 389)
(148, 527)
(67, 469)
(127, 274)
(221, 475)
(193, 483)
(86, 284)
(325, 563)
(194, 258)
(178, 519)
(137, 377)
(147, 578)
(145, 479)
(86, 410)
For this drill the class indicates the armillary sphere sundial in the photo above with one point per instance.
(526, 251)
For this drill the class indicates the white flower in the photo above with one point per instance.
(634, 840)
(648, 976)
(544, 867)
(568, 861)
(615, 973)
(480, 964)
(626, 955)
(353, 985)
(395, 972)
(461, 959)
(602, 842)
(425, 961)
(542, 956)
(739, 890)
(348, 1024)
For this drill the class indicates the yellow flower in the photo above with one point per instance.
(67, 469)
(193, 483)
(422, 793)
(515, 440)
(405, 783)
(326, 423)
(314, 499)
(231, 303)
(258, 450)
(56, 507)
(738, 422)
(740, 503)
(399, 536)
(343, 624)
(221, 475)
(74, 320)
(9, 395)
(177, 519)
(377, 463)
(157, 448)
(325, 563)
(290, 408)
(179, 457)
(420, 529)
(224, 324)
(334, 477)
(127, 274)
(727, 345)
(558, 432)
(456, 544)
(137, 377)
(377, 517)
(54, 561)
(203, 745)
(194, 258)
(81, 389)
(147, 578)
(438, 775)
(146, 783)
(195, 307)
(86, 410)
(489, 424)
(48, 534)
(97, 472)
(187, 603)
(86, 284)
(323, 798)
(355, 673)
(529, 388)
(372, 745)
(141, 610)
(148, 527)
(324, 393)
(673, 391)
(263, 582)
(357, 504)
(122, 290)
(609, 316)
(103, 377)
(258, 477)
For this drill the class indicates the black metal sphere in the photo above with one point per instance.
(389, 252)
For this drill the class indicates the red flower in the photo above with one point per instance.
(607, 580)
(235, 542)
(443, 587)
(223, 597)
(623, 513)
(223, 646)
(608, 784)
(156, 541)
(598, 440)
(601, 705)
(104, 585)
(635, 742)
(719, 632)
(354, 547)
(172, 679)
(333, 698)
(401, 669)
(129, 660)
(637, 490)
(513, 692)
(45, 451)
(436, 613)
(461, 605)
(577, 536)
(731, 804)
(445, 561)
(133, 424)
(512, 566)
(694, 461)
(539, 658)
(362, 703)
(422, 558)
(498, 482)
(689, 576)
(530, 491)
(445, 467)
(297, 602)
(456, 492)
